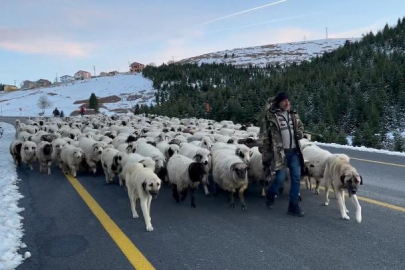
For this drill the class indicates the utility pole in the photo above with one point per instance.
(15, 83)
(94, 68)
(327, 37)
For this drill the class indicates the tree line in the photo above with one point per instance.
(357, 90)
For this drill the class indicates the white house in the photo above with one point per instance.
(81, 75)
(66, 78)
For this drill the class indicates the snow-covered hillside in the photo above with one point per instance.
(115, 93)
(261, 56)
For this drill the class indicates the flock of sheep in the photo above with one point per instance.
(144, 152)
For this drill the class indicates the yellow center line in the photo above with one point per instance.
(383, 204)
(379, 162)
(135, 257)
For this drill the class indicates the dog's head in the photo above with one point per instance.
(239, 171)
(196, 172)
(351, 182)
(152, 185)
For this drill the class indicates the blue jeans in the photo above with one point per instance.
(293, 163)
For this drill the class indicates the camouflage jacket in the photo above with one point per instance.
(270, 140)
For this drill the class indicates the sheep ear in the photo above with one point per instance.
(361, 180)
(342, 179)
(144, 186)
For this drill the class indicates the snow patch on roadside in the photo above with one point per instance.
(11, 230)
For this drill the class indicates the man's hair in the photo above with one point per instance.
(280, 97)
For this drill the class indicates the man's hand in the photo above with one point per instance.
(298, 135)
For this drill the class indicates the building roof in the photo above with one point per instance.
(82, 71)
(43, 80)
(136, 63)
(66, 76)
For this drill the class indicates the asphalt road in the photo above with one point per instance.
(62, 233)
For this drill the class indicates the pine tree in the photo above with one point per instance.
(62, 114)
(93, 102)
(137, 109)
(398, 142)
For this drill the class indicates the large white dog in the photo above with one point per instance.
(143, 184)
(343, 177)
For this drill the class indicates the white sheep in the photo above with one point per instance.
(92, 152)
(315, 162)
(147, 150)
(230, 174)
(127, 148)
(44, 155)
(111, 161)
(239, 150)
(57, 146)
(15, 151)
(167, 149)
(28, 154)
(23, 136)
(184, 174)
(41, 136)
(200, 155)
(256, 172)
(71, 156)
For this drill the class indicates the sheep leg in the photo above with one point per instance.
(216, 189)
(31, 167)
(242, 197)
(49, 167)
(183, 194)
(232, 199)
(93, 166)
(206, 191)
(175, 193)
(73, 170)
(192, 197)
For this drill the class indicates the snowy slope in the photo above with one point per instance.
(10, 220)
(261, 56)
(119, 92)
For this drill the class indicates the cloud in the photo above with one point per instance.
(35, 41)
(244, 11)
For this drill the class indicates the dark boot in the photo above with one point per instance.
(270, 199)
(294, 210)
